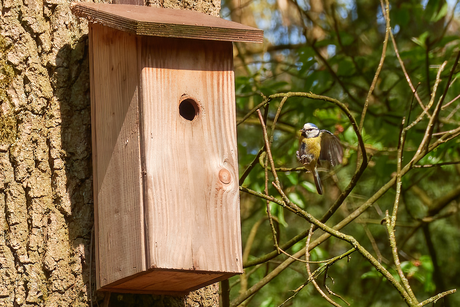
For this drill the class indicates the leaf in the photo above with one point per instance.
(372, 274)
(293, 178)
(318, 254)
(440, 14)
(421, 40)
(296, 198)
(298, 246)
(350, 135)
(268, 302)
(310, 187)
(426, 263)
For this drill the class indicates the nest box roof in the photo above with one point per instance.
(152, 21)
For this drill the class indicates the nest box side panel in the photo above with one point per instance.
(120, 247)
(189, 152)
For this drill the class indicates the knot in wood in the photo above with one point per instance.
(225, 176)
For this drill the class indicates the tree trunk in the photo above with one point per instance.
(46, 197)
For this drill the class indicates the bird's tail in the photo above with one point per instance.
(319, 187)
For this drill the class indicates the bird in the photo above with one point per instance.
(315, 147)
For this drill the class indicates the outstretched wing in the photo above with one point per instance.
(331, 150)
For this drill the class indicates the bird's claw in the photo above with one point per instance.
(305, 158)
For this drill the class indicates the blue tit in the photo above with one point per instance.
(316, 146)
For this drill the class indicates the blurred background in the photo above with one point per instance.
(333, 48)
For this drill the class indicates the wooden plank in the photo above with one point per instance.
(131, 2)
(162, 22)
(116, 155)
(191, 167)
(92, 86)
(166, 282)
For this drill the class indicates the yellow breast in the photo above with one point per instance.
(312, 146)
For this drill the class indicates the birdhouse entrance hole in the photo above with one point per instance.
(188, 109)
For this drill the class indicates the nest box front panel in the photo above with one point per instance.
(189, 155)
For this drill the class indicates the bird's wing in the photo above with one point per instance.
(331, 150)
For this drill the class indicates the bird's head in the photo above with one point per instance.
(309, 130)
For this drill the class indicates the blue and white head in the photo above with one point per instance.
(310, 130)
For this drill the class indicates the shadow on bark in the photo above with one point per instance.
(72, 83)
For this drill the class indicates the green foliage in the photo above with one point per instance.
(341, 64)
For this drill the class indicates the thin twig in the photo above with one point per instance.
(267, 146)
(310, 276)
(430, 103)
(267, 205)
(269, 157)
(406, 75)
(429, 130)
(251, 166)
(450, 102)
(454, 111)
(372, 240)
(275, 120)
(427, 65)
(288, 169)
(251, 238)
(391, 221)
(318, 272)
(326, 275)
(448, 83)
(333, 73)
(435, 298)
(437, 164)
(257, 107)
(385, 11)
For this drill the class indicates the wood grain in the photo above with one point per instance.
(192, 218)
(131, 2)
(152, 21)
(166, 282)
(116, 153)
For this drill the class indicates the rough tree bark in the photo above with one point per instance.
(46, 200)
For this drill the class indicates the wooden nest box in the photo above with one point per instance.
(165, 165)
